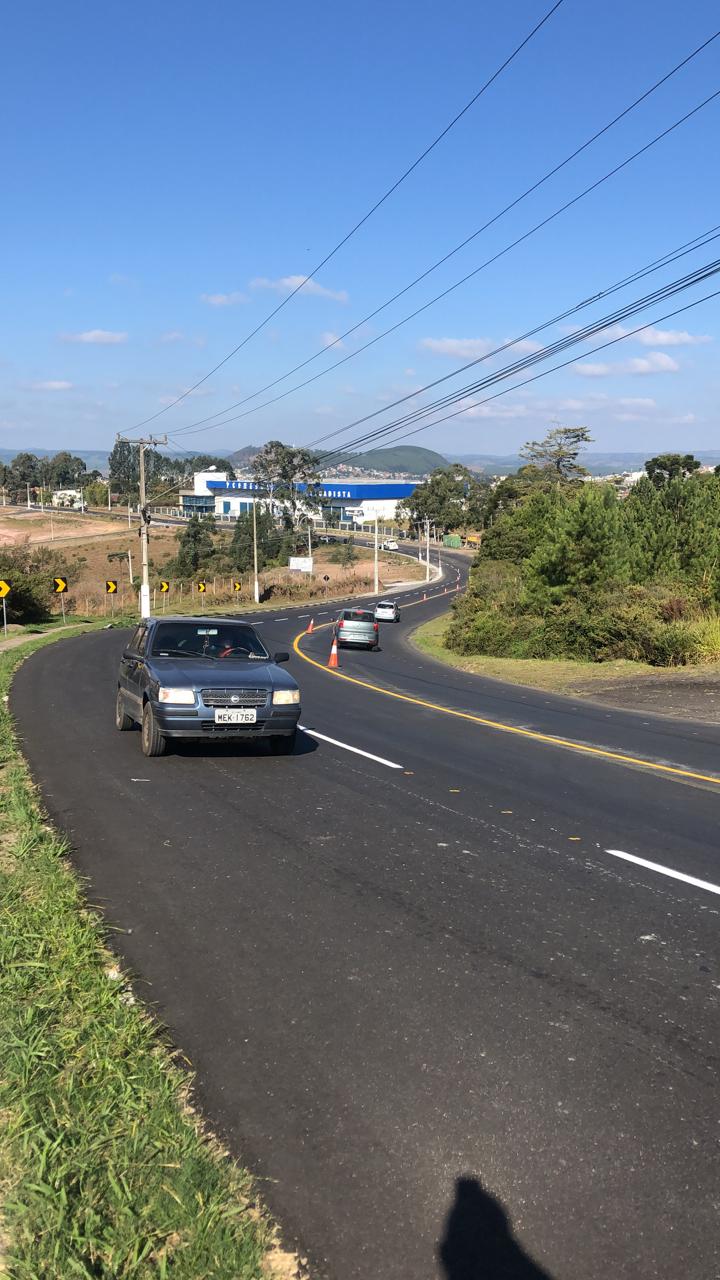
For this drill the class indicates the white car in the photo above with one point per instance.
(387, 611)
(390, 545)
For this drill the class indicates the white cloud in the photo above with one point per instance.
(526, 346)
(460, 348)
(637, 402)
(98, 337)
(591, 370)
(51, 385)
(655, 362)
(507, 411)
(409, 373)
(286, 284)
(671, 338)
(224, 299)
(173, 336)
(330, 339)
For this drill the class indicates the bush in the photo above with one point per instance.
(706, 633)
(30, 571)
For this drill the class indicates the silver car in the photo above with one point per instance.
(387, 611)
(357, 627)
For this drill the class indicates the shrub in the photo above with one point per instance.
(706, 633)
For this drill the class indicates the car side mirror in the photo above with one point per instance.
(281, 657)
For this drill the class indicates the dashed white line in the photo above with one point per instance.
(279, 619)
(390, 764)
(665, 871)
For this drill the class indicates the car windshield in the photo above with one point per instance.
(212, 639)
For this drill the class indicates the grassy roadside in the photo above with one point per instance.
(562, 675)
(104, 1169)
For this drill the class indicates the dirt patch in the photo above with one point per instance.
(692, 697)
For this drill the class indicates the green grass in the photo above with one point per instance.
(104, 1168)
(564, 675)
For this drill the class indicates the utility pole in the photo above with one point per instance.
(256, 584)
(376, 583)
(27, 486)
(427, 559)
(142, 445)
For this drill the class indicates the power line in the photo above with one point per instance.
(361, 222)
(190, 427)
(670, 315)
(616, 317)
(698, 242)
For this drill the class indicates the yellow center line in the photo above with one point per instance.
(567, 744)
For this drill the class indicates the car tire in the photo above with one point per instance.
(283, 745)
(153, 741)
(123, 721)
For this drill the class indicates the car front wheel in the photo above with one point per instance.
(153, 741)
(123, 721)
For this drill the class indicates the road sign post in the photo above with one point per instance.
(60, 587)
(4, 590)
(164, 588)
(111, 587)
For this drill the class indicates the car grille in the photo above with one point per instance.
(234, 697)
(228, 730)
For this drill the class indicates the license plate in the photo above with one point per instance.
(240, 715)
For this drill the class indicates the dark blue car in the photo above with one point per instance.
(208, 678)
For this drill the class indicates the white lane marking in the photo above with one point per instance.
(346, 747)
(303, 615)
(279, 619)
(665, 871)
(140, 779)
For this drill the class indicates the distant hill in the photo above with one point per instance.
(407, 458)
(242, 457)
(598, 464)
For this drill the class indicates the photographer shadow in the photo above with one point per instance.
(478, 1243)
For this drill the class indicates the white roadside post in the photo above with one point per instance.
(427, 560)
(376, 587)
(256, 584)
(145, 584)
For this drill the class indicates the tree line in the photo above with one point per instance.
(568, 568)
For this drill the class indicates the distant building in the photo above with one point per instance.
(67, 498)
(352, 501)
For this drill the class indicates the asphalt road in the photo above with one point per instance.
(452, 1034)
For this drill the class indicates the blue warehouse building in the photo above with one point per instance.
(347, 500)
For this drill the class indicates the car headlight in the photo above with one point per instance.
(186, 697)
(286, 697)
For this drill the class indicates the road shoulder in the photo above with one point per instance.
(680, 693)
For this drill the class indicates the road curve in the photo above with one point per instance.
(453, 1035)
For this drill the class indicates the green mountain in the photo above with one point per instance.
(408, 458)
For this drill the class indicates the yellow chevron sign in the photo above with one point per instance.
(237, 586)
(4, 588)
(110, 586)
(201, 586)
(60, 585)
(164, 586)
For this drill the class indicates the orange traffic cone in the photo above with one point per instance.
(333, 660)
(311, 626)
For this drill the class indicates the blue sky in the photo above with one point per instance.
(169, 168)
